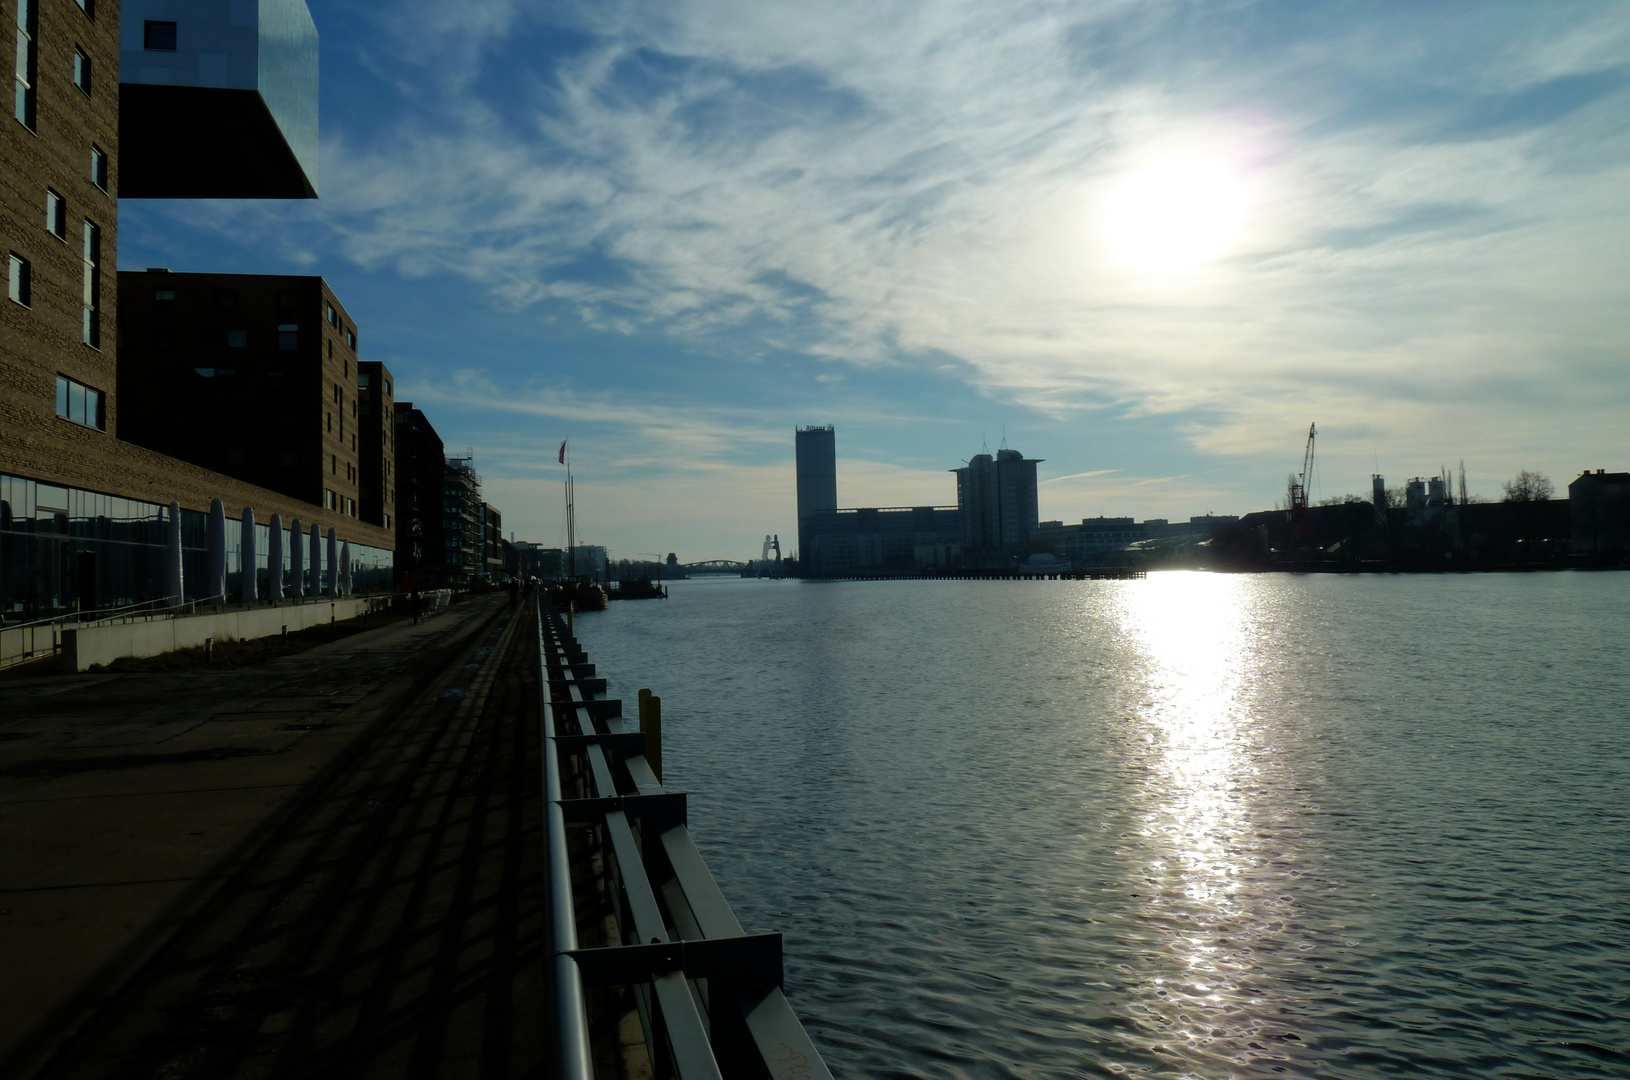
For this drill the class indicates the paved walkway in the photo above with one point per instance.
(328, 865)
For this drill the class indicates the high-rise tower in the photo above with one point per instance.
(817, 480)
(997, 499)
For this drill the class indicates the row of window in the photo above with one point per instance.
(20, 284)
(24, 105)
(331, 501)
(164, 299)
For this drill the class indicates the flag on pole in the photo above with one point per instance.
(563, 451)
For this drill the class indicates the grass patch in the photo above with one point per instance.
(237, 654)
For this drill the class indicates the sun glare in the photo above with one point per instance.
(1175, 213)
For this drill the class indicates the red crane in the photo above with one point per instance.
(1301, 524)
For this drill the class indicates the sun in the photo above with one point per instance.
(1175, 213)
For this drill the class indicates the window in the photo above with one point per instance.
(99, 168)
(387, 521)
(215, 372)
(56, 215)
(164, 299)
(328, 420)
(333, 466)
(288, 337)
(275, 378)
(336, 393)
(388, 391)
(82, 72)
(364, 380)
(28, 29)
(328, 499)
(287, 458)
(351, 339)
(350, 508)
(80, 403)
(158, 36)
(237, 456)
(91, 293)
(87, 6)
(288, 418)
(226, 299)
(331, 350)
(237, 339)
(19, 280)
(347, 369)
(333, 319)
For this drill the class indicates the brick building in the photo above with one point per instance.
(421, 465)
(254, 376)
(376, 435)
(86, 515)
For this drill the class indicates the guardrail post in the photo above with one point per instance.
(651, 725)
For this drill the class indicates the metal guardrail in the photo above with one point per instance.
(709, 994)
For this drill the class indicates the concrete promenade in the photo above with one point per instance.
(327, 865)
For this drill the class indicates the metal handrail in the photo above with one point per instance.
(95, 614)
(571, 1020)
(709, 994)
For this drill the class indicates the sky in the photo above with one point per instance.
(1149, 242)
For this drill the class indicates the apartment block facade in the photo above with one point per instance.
(376, 435)
(254, 376)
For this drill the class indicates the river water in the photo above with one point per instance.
(1194, 826)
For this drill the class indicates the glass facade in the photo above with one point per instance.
(64, 550)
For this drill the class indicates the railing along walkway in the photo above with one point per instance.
(709, 994)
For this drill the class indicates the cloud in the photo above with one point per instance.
(1435, 254)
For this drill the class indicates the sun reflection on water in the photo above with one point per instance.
(1194, 640)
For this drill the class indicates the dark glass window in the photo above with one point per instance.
(20, 280)
(99, 168)
(56, 215)
(288, 337)
(226, 299)
(23, 94)
(80, 403)
(91, 301)
(82, 71)
(158, 36)
(164, 298)
(237, 339)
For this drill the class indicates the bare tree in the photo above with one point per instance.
(1527, 487)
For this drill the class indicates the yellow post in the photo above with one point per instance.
(651, 725)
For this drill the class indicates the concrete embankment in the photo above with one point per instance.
(318, 866)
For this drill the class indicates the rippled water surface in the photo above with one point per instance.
(1194, 826)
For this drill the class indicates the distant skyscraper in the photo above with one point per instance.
(998, 503)
(817, 478)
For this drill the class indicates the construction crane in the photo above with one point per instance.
(1301, 522)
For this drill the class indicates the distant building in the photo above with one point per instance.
(1599, 513)
(492, 541)
(461, 521)
(376, 430)
(251, 375)
(880, 540)
(588, 560)
(817, 458)
(999, 506)
(1090, 542)
(217, 99)
(421, 469)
